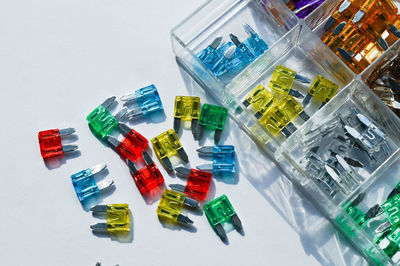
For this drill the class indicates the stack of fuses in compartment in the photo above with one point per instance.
(276, 109)
(384, 81)
(228, 59)
(360, 31)
(132, 147)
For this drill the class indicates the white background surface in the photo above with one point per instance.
(58, 61)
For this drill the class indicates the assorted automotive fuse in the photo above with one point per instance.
(187, 108)
(360, 32)
(85, 185)
(171, 206)
(198, 183)
(148, 177)
(50, 142)
(167, 145)
(131, 146)
(223, 157)
(102, 122)
(144, 101)
(232, 57)
(220, 211)
(118, 218)
(212, 117)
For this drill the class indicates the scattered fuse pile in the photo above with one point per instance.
(132, 148)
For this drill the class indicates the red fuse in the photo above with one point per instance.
(148, 177)
(197, 185)
(50, 142)
(131, 146)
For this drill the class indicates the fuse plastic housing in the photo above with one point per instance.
(50, 143)
(187, 107)
(224, 160)
(213, 116)
(132, 145)
(170, 206)
(166, 144)
(118, 218)
(85, 185)
(219, 210)
(101, 122)
(260, 99)
(149, 100)
(282, 80)
(322, 89)
(148, 178)
(198, 184)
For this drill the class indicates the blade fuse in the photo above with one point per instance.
(131, 146)
(84, 184)
(322, 90)
(261, 100)
(147, 178)
(219, 211)
(171, 205)
(223, 157)
(146, 99)
(101, 121)
(282, 80)
(187, 108)
(50, 142)
(117, 215)
(213, 117)
(198, 183)
(166, 145)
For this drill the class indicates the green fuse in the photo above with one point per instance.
(187, 108)
(101, 121)
(282, 80)
(391, 209)
(322, 90)
(261, 100)
(359, 217)
(166, 145)
(389, 242)
(212, 117)
(219, 211)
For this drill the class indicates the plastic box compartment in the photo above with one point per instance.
(293, 43)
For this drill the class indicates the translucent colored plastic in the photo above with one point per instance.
(101, 122)
(198, 184)
(118, 219)
(50, 143)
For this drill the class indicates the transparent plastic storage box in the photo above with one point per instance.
(308, 155)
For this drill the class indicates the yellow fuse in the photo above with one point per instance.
(282, 80)
(261, 100)
(166, 145)
(322, 90)
(187, 108)
(171, 205)
(118, 220)
(272, 122)
(292, 108)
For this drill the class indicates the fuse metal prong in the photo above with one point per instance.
(191, 202)
(69, 148)
(66, 131)
(99, 228)
(184, 219)
(109, 102)
(178, 187)
(98, 168)
(205, 167)
(183, 171)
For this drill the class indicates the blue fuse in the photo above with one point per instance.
(210, 49)
(256, 44)
(223, 157)
(85, 185)
(224, 64)
(242, 50)
(147, 99)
